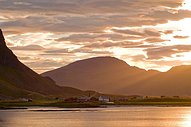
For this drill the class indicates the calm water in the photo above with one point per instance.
(102, 117)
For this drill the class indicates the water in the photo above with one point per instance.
(101, 117)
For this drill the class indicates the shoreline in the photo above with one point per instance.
(25, 105)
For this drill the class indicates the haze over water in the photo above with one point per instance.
(101, 117)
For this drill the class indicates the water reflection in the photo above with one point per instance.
(106, 117)
(186, 122)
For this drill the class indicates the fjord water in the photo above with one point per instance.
(99, 117)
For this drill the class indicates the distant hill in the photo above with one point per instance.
(111, 75)
(105, 74)
(17, 80)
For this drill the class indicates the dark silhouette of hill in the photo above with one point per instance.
(105, 74)
(111, 75)
(17, 80)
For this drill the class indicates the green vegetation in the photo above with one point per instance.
(158, 102)
(62, 104)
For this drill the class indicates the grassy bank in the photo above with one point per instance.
(14, 104)
(62, 104)
(158, 102)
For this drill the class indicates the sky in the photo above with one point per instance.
(47, 34)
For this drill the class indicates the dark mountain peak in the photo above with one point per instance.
(111, 75)
(2, 39)
(14, 76)
(7, 57)
(1, 34)
(97, 73)
(95, 63)
(104, 60)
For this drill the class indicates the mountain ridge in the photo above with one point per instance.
(104, 74)
(16, 75)
(112, 75)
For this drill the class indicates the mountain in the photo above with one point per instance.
(105, 74)
(17, 80)
(111, 75)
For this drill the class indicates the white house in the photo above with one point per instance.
(104, 99)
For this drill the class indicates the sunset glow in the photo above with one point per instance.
(186, 121)
(95, 63)
(186, 5)
(151, 39)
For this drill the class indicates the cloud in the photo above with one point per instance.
(99, 37)
(167, 15)
(129, 32)
(86, 16)
(142, 33)
(166, 51)
(152, 33)
(44, 65)
(155, 40)
(28, 47)
(122, 44)
(87, 7)
(57, 51)
(181, 37)
(168, 32)
(61, 31)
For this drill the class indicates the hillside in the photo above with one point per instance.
(111, 75)
(17, 80)
(105, 74)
